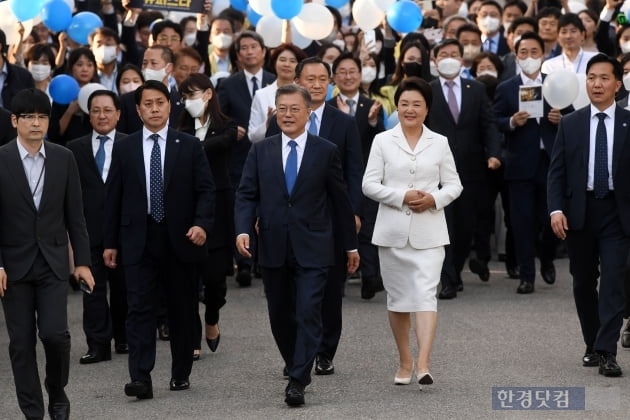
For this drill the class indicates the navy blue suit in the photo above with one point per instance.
(296, 239)
(340, 129)
(599, 229)
(526, 166)
(159, 252)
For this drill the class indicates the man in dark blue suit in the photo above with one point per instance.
(159, 206)
(339, 128)
(528, 142)
(296, 208)
(235, 95)
(589, 203)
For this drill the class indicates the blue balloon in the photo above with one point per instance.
(391, 121)
(63, 89)
(82, 25)
(56, 15)
(25, 9)
(404, 16)
(336, 3)
(286, 9)
(240, 5)
(252, 16)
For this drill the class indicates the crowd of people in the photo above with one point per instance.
(210, 154)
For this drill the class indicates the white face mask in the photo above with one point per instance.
(340, 43)
(506, 26)
(222, 41)
(150, 74)
(129, 87)
(625, 47)
(530, 65)
(449, 67)
(39, 71)
(105, 54)
(195, 107)
(433, 69)
(189, 39)
(368, 74)
(491, 24)
(471, 51)
(488, 73)
(626, 82)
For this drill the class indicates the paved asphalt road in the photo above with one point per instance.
(488, 337)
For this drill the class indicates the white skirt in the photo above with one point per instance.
(411, 277)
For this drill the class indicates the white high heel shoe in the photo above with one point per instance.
(404, 381)
(424, 378)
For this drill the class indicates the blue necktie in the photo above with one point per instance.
(290, 169)
(254, 86)
(312, 128)
(600, 171)
(99, 157)
(156, 182)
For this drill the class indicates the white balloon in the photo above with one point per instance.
(85, 92)
(262, 7)
(297, 38)
(219, 5)
(582, 96)
(270, 28)
(314, 21)
(384, 4)
(576, 6)
(561, 88)
(9, 24)
(218, 76)
(177, 16)
(366, 14)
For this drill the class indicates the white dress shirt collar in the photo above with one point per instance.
(24, 152)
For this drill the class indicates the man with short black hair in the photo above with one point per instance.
(12, 78)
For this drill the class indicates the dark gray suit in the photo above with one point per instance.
(34, 254)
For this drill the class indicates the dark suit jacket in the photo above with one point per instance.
(16, 80)
(7, 131)
(503, 47)
(303, 220)
(568, 171)
(188, 196)
(130, 121)
(474, 137)
(92, 187)
(25, 230)
(523, 143)
(509, 67)
(340, 129)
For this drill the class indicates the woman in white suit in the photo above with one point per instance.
(411, 173)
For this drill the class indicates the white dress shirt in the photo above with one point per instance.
(263, 99)
(457, 89)
(109, 145)
(201, 129)
(250, 84)
(147, 146)
(561, 61)
(35, 170)
(609, 122)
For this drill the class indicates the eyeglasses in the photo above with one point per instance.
(291, 110)
(167, 39)
(106, 111)
(351, 73)
(30, 118)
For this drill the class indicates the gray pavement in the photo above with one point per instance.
(488, 336)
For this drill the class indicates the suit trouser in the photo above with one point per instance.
(530, 221)
(332, 302)
(370, 266)
(103, 321)
(294, 296)
(602, 241)
(159, 264)
(213, 272)
(34, 304)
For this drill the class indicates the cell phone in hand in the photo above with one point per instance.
(84, 287)
(370, 40)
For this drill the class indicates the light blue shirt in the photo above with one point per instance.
(34, 169)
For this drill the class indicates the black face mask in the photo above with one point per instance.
(412, 69)
(429, 23)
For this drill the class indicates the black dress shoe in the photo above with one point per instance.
(244, 276)
(121, 348)
(213, 343)
(179, 384)
(608, 365)
(324, 365)
(96, 355)
(590, 358)
(525, 288)
(548, 272)
(294, 393)
(460, 286)
(480, 268)
(163, 332)
(370, 286)
(59, 410)
(513, 272)
(447, 292)
(625, 336)
(139, 389)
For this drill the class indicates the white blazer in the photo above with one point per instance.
(392, 170)
(263, 99)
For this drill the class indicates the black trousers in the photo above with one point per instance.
(103, 321)
(159, 265)
(213, 273)
(370, 265)
(37, 304)
(600, 247)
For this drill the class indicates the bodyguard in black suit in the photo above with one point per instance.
(235, 96)
(93, 153)
(464, 116)
(159, 206)
(40, 208)
(293, 183)
(337, 127)
(589, 203)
